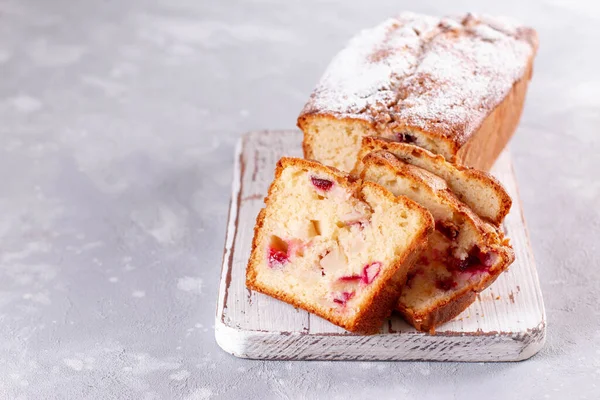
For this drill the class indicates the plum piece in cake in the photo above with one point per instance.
(336, 247)
(464, 255)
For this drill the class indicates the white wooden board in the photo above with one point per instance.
(506, 323)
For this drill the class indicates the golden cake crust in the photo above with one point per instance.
(381, 301)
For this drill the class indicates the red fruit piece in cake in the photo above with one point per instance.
(368, 275)
(350, 278)
(280, 251)
(343, 297)
(360, 224)
(476, 261)
(405, 138)
(415, 271)
(370, 272)
(277, 258)
(322, 184)
(445, 283)
(448, 229)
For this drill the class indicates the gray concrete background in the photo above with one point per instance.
(117, 127)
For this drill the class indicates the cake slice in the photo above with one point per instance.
(464, 256)
(453, 85)
(483, 193)
(338, 248)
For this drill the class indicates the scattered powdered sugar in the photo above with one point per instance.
(73, 363)
(190, 284)
(200, 394)
(179, 375)
(418, 71)
(26, 104)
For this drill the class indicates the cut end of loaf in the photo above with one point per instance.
(331, 141)
(337, 141)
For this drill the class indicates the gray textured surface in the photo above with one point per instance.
(118, 121)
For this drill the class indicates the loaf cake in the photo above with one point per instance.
(464, 256)
(483, 193)
(333, 246)
(454, 86)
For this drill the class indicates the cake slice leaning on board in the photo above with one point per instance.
(453, 85)
(483, 193)
(337, 247)
(464, 256)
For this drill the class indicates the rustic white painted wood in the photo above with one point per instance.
(506, 323)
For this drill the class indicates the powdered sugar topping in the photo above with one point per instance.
(416, 71)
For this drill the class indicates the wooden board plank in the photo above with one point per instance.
(253, 174)
(506, 323)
